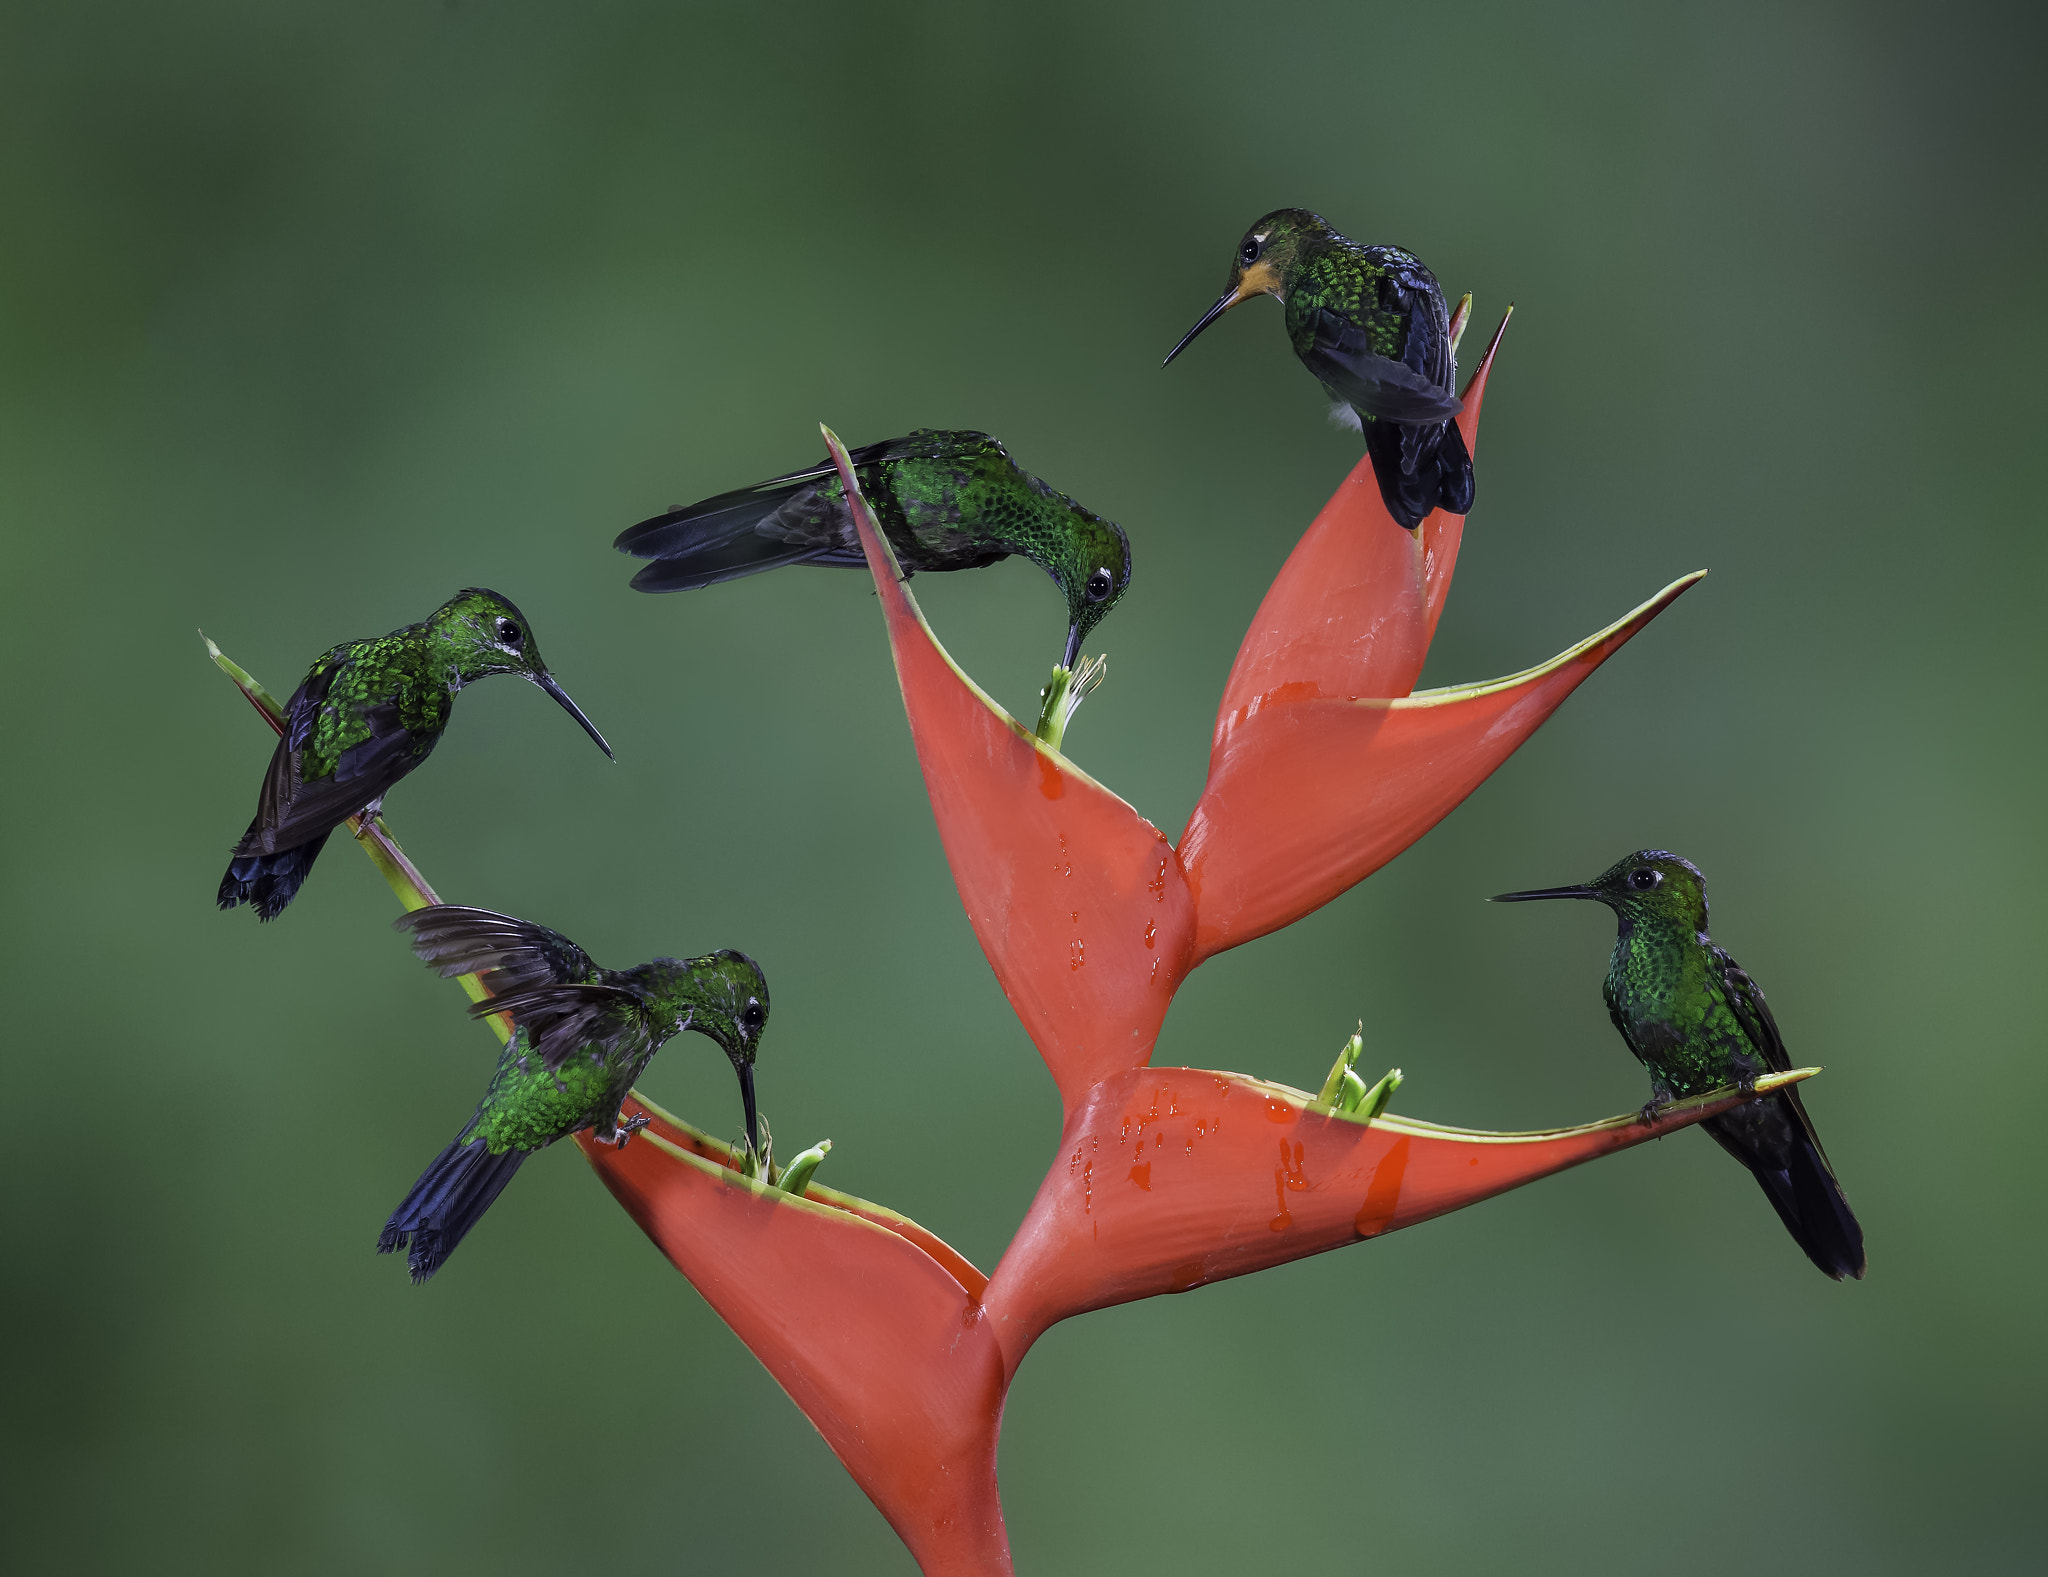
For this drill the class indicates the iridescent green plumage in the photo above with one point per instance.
(1698, 1022)
(582, 1036)
(1370, 322)
(945, 501)
(367, 713)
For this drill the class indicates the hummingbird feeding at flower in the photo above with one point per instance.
(1697, 1021)
(366, 714)
(944, 500)
(1371, 324)
(581, 1036)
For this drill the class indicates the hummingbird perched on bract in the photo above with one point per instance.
(581, 1036)
(366, 714)
(945, 501)
(1697, 1021)
(1371, 324)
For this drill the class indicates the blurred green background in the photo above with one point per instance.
(311, 314)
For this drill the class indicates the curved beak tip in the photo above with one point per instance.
(547, 683)
(1224, 303)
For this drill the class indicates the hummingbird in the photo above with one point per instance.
(1698, 1021)
(1371, 324)
(581, 1037)
(945, 501)
(366, 714)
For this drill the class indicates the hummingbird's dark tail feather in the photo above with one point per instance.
(718, 540)
(449, 1199)
(1419, 469)
(1776, 1142)
(267, 881)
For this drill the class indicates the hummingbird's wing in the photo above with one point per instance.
(1746, 1001)
(293, 809)
(563, 1021)
(784, 520)
(511, 954)
(1427, 347)
(1776, 1140)
(548, 985)
(1342, 357)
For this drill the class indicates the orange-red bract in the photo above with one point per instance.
(1170, 1178)
(874, 1327)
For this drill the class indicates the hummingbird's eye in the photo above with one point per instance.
(1643, 878)
(1099, 584)
(754, 1016)
(1248, 254)
(509, 634)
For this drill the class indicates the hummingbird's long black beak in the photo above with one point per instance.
(1543, 892)
(1224, 303)
(1073, 646)
(747, 1100)
(547, 683)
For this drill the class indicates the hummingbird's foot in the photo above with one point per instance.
(1746, 1083)
(366, 818)
(622, 1131)
(1651, 1111)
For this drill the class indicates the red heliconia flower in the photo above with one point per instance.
(1326, 763)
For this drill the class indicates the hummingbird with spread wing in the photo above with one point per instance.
(1698, 1021)
(367, 713)
(1371, 324)
(944, 500)
(581, 1036)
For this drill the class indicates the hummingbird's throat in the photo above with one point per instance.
(1261, 279)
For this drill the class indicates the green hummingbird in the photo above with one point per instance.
(366, 714)
(944, 500)
(581, 1037)
(1371, 324)
(1697, 1021)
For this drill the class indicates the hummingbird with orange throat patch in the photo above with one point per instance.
(1371, 324)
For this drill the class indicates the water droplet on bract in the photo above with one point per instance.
(1078, 956)
(1151, 933)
